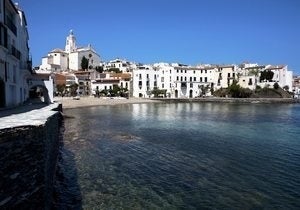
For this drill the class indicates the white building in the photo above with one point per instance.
(121, 64)
(56, 60)
(282, 76)
(178, 81)
(70, 58)
(15, 64)
(182, 81)
(106, 81)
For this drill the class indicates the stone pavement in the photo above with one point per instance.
(31, 114)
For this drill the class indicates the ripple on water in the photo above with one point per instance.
(190, 156)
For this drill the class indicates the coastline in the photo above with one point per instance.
(232, 100)
(87, 101)
(70, 103)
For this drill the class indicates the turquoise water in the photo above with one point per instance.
(181, 156)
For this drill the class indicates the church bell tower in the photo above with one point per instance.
(70, 43)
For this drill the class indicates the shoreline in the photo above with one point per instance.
(87, 101)
(232, 100)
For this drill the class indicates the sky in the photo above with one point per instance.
(174, 31)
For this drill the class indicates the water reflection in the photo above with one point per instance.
(186, 155)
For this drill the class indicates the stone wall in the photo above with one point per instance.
(28, 157)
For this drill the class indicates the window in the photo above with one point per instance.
(163, 85)
(194, 79)
(250, 81)
(191, 85)
(205, 79)
(228, 74)
(140, 76)
(3, 36)
(162, 79)
(205, 71)
(194, 72)
(191, 79)
(180, 78)
(177, 78)
(200, 79)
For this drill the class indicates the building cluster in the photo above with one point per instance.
(80, 71)
(173, 80)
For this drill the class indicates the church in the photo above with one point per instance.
(70, 58)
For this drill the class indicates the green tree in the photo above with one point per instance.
(73, 89)
(99, 69)
(266, 75)
(84, 63)
(276, 86)
(116, 70)
(60, 89)
(286, 88)
(157, 92)
(236, 91)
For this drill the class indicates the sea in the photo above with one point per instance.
(180, 156)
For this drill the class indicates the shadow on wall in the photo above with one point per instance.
(67, 194)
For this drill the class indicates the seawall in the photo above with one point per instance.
(29, 144)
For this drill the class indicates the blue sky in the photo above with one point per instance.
(185, 31)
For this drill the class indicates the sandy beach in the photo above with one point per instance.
(70, 102)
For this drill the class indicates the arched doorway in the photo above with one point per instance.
(2, 93)
(191, 94)
(39, 94)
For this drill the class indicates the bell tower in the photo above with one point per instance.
(70, 43)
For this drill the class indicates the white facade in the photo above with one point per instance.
(70, 58)
(87, 52)
(177, 80)
(106, 81)
(182, 81)
(123, 65)
(15, 64)
(56, 60)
